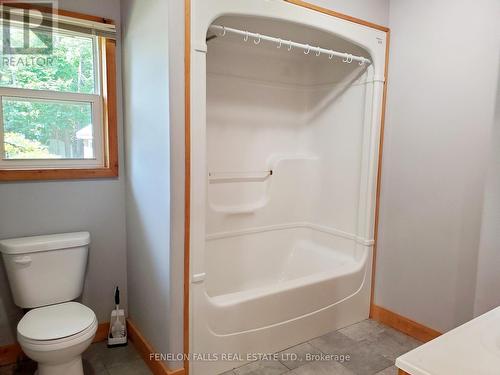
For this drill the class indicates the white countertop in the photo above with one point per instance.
(471, 349)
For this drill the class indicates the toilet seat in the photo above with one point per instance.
(58, 325)
(59, 344)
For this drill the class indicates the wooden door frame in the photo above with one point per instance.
(187, 145)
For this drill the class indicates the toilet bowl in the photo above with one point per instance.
(55, 336)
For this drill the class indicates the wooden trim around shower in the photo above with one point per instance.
(379, 171)
(187, 158)
(187, 180)
(343, 16)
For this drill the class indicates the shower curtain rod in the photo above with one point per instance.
(288, 44)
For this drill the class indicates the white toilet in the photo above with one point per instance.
(45, 274)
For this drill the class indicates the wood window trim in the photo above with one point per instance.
(59, 12)
(110, 123)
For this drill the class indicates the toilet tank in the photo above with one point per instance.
(44, 270)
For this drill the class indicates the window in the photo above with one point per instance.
(57, 97)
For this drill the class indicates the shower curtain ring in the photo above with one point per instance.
(347, 58)
(246, 36)
(331, 55)
(279, 43)
(318, 52)
(257, 41)
(289, 45)
(308, 50)
(362, 62)
(223, 31)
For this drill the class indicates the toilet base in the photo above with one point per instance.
(73, 367)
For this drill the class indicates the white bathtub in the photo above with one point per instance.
(289, 283)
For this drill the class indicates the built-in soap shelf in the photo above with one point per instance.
(241, 209)
(227, 177)
(246, 192)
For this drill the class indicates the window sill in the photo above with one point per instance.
(57, 174)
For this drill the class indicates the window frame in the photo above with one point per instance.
(95, 101)
(104, 106)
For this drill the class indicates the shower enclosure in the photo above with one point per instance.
(285, 124)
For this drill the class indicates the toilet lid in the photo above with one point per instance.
(55, 321)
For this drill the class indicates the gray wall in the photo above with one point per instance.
(488, 275)
(32, 208)
(146, 98)
(176, 75)
(439, 119)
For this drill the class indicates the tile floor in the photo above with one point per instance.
(371, 346)
(97, 360)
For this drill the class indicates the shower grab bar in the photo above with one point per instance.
(255, 176)
(346, 57)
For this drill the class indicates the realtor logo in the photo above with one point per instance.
(27, 27)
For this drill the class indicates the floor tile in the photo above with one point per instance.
(390, 347)
(333, 343)
(26, 367)
(393, 370)
(137, 367)
(93, 367)
(371, 347)
(102, 372)
(14, 370)
(98, 359)
(363, 330)
(403, 339)
(110, 357)
(297, 356)
(7, 370)
(94, 352)
(365, 360)
(262, 368)
(321, 368)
